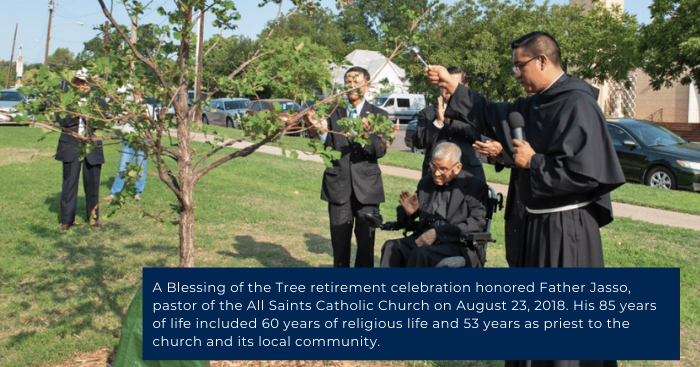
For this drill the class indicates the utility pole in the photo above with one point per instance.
(200, 60)
(48, 35)
(9, 68)
(134, 23)
(106, 43)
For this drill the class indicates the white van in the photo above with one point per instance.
(401, 105)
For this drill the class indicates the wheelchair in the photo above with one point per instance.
(476, 240)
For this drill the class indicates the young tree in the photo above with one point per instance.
(671, 43)
(170, 79)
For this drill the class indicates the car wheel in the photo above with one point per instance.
(417, 151)
(205, 120)
(229, 123)
(661, 177)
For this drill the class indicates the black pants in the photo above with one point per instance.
(342, 217)
(403, 252)
(69, 195)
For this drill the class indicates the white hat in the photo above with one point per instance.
(82, 74)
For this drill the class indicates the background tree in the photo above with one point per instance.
(598, 44)
(671, 43)
(361, 22)
(476, 36)
(62, 59)
(222, 60)
(320, 26)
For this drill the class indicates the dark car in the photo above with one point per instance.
(408, 138)
(289, 110)
(655, 156)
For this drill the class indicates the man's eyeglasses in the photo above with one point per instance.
(441, 170)
(516, 68)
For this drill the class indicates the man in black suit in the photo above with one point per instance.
(433, 128)
(353, 185)
(448, 202)
(67, 153)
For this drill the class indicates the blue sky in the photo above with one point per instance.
(33, 15)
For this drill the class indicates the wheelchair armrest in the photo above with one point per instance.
(467, 237)
(373, 218)
(392, 226)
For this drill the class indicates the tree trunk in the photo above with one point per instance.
(186, 176)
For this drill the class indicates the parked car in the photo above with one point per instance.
(408, 138)
(289, 110)
(225, 112)
(655, 156)
(402, 106)
(9, 98)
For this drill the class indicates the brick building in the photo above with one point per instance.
(677, 104)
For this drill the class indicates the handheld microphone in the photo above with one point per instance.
(516, 123)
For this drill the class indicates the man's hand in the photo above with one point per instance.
(438, 75)
(409, 202)
(522, 153)
(441, 107)
(427, 238)
(490, 149)
(365, 124)
(323, 124)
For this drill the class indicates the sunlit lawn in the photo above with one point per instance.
(64, 293)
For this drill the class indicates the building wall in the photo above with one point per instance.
(673, 101)
(608, 3)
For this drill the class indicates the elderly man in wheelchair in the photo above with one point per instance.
(449, 204)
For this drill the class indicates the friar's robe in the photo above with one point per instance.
(575, 163)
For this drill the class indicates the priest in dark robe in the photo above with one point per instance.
(433, 128)
(448, 202)
(567, 165)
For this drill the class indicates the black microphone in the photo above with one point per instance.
(516, 123)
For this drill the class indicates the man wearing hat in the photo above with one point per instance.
(68, 153)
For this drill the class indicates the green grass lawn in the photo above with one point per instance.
(64, 293)
(679, 201)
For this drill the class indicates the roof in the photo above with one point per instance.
(370, 60)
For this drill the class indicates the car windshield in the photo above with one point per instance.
(380, 102)
(655, 135)
(286, 106)
(234, 105)
(10, 96)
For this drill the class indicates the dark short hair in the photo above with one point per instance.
(358, 69)
(457, 70)
(538, 43)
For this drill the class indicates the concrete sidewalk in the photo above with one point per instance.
(642, 213)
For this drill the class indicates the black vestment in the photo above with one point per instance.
(464, 211)
(575, 163)
(428, 136)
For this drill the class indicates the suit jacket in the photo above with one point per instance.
(357, 169)
(465, 211)
(427, 136)
(67, 150)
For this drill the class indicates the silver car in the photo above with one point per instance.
(8, 99)
(225, 112)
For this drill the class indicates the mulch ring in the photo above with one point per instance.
(104, 357)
